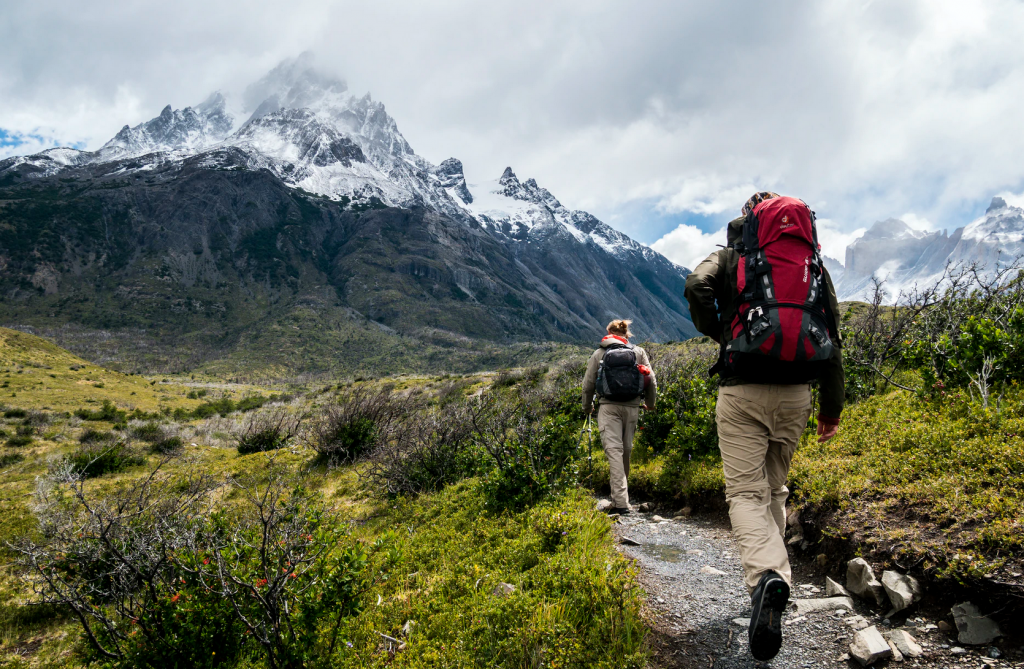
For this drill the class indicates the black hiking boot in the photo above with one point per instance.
(619, 510)
(769, 600)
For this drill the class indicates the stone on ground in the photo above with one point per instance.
(503, 590)
(657, 519)
(741, 622)
(603, 505)
(869, 647)
(828, 604)
(897, 656)
(644, 508)
(626, 541)
(833, 589)
(711, 570)
(906, 644)
(902, 590)
(856, 622)
(861, 581)
(974, 629)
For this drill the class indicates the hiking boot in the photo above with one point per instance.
(769, 600)
(620, 510)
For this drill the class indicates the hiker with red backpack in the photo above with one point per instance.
(620, 374)
(769, 302)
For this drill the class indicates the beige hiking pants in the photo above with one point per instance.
(759, 427)
(617, 423)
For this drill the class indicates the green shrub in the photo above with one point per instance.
(167, 445)
(357, 420)
(15, 413)
(267, 431)
(8, 459)
(149, 431)
(197, 393)
(91, 436)
(99, 458)
(108, 412)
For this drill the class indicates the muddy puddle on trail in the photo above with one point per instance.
(663, 553)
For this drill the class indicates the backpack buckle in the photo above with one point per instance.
(758, 323)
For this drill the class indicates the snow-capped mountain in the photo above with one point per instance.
(905, 257)
(312, 133)
(300, 184)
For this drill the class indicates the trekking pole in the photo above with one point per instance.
(590, 448)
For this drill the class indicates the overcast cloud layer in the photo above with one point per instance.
(659, 117)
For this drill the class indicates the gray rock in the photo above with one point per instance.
(902, 590)
(861, 581)
(645, 507)
(906, 644)
(973, 628)
(856, 622)
(657, 519)
(603, 505)
(626, 541)
(712, 571)
(829, 604)
(957, 650)
(833, 589)
(896, 654)
(741, 622)
(503, 590)
(869, 647)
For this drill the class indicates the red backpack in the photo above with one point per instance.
(782, 329)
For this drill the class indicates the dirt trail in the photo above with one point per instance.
(691, 611)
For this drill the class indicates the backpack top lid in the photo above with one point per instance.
(783, 217)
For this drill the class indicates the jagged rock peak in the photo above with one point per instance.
(997, 204)
(450, 175)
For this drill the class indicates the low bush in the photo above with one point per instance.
(146, 431)
(354, 422)
(158, 580)
(104, 457)
(91, 436)
(15, 413)
(108, 412)
(167, 445)
(428, 452)
(267, 431)
(8, 459)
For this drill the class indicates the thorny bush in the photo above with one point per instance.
(267, 430)
(355, 421)
(157, 577)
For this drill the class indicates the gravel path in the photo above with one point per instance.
(690, 570)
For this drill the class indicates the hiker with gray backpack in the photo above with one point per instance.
(620, 374)
(768, 301)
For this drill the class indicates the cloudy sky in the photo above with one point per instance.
(658, 117)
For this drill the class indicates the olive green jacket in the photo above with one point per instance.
(711, 291)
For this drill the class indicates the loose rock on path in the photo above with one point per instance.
(698, 607)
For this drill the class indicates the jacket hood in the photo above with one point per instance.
(734, 232)
(613, 340)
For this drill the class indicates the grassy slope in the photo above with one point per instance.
(437, 559)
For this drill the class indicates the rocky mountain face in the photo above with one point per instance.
(905, 257)
(307, 222)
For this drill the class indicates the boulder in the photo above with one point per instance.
(645, 507)
(685, 512)
(861, 581)
(833, 589)
(869, 647)
(829, 604)
(503, 590)
(906, 644)
(902, 590)
(603, 505)
(974, 629)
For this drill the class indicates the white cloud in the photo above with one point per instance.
(917, 222)
(882, 107)
(687, 245)
(1013, 199)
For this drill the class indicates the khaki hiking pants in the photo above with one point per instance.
(617, 423)
(759, 427)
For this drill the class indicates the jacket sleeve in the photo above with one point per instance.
(833, 382)
(590, 381)
(702, 286)
(651, 389)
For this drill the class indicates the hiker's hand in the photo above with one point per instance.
(646, 408)
(826, 432)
